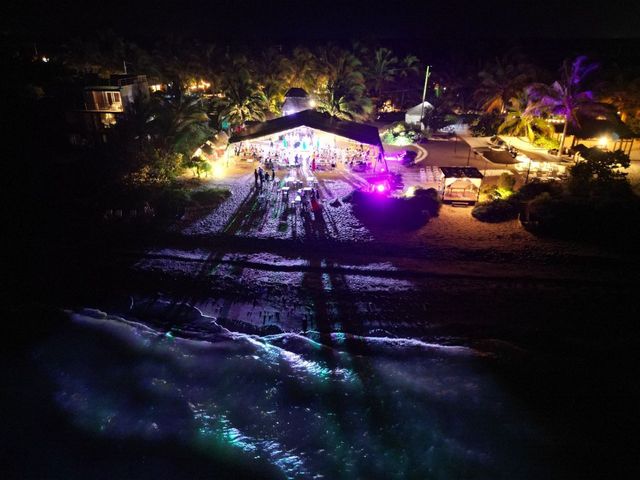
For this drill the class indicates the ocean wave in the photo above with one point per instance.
(332, 406)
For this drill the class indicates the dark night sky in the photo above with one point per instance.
(239, 20)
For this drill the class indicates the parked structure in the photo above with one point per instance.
(605, 131)
(461, 184)
(313, 137)
(412, 117)
(103, 105)
(296, 100)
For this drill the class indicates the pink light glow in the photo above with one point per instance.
(380, 187)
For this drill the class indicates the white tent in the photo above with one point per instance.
(296, 100)
(412, 117)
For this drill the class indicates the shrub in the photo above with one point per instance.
(171, 202)
(532, 189)
(400, 133)
(600, 171)
(506, 181)
(546, 142)
(402, 213)
(210, 196)
(427, 199)
(495, 211)
(584, 218)
(493, 192)
(387, 137)
(486, 125)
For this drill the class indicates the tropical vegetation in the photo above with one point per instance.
(205, 89)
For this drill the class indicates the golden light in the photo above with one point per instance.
(602, 141)
(312, 103)
(199, 85)
(218, 170)
(155, 88)
(45, 59)
(411, 191)
(388, 106)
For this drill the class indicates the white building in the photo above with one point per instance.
(412, 117)
(296, 100)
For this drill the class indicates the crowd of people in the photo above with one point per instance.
(275, 156)
(261, 176)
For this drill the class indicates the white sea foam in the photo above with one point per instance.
(335, 405)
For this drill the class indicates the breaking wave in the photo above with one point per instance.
(323, 406)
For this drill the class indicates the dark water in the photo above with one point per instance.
(283, 406)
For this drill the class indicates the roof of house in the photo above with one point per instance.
(461, 172)
(297, 103)
(461, 183)
(598, 127)
(417, 109)
(296, 92)
(106, 88)
(310, 118)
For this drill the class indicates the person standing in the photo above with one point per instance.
(255, 175)
(260, 176)
(315, 205)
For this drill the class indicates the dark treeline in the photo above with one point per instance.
(208, 87)
(365, 73)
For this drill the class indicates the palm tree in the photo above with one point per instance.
(179, 121)
(410, 66)
(382, 70)
(501, 80)
(623, 91)
(243, 99)
(520, 121)
(345, 100)
(344, 95)
(211, 57)
(301, 70)
(333, 63)
(274, 94)
(565, 96)
(271, 69)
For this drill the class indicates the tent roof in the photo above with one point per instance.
(461, 172)
(461, 183)
(310, 118)
(296, 92)
(297, 103)
(418, 108)
(593, 128)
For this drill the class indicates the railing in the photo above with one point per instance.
(104, 106)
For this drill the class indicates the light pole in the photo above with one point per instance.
(526, 180)
(424, 93)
